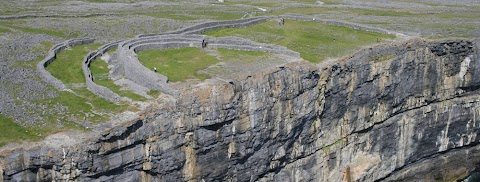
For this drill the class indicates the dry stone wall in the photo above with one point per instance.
(99, 90)
(236, 43)
(131, 67)
(199, 28)
(52, 53)
(127, 64)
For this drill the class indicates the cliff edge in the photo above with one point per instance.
(399, 112)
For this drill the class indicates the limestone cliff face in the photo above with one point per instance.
(403, 112)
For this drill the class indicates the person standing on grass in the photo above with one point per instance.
(204, 43)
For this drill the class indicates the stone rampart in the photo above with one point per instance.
(98, 90)
(128, 63)
(132, 69)
(248, 45)
(199, 28)
(219, 26)
(169, 36)
(52, 53)
(165, 42)
(164, 45)
(175, 39)
(133, 44)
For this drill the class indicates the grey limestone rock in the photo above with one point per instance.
(391, 113)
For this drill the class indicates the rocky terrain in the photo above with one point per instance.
(356, 119)
(405, 110)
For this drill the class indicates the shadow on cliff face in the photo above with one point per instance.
(474, 176)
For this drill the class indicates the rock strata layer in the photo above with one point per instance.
(390, 113)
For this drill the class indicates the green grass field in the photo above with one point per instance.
(68, 65)
(178, 64)
(314, 41)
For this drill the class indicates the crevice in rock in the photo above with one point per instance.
(121, 133)
(217, 126)
(471, 145)
(470, 88)
(366, 130)
(135, 143)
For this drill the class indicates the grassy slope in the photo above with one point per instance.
(68, 65)
(314, 41)
(12, 132)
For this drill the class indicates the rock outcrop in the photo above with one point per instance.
(390, 113)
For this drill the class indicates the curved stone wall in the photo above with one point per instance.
(128, 63)
(199, 28)
(165, 38)
(99, 90)
(52, 53)
(236, 43)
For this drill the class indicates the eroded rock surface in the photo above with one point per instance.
(388, 113)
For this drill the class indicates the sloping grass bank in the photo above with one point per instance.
(178, 64)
